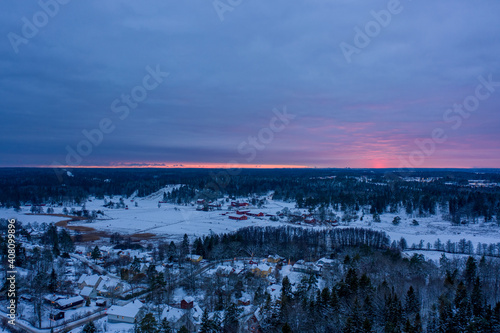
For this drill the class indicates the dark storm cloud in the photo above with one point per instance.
(225, 78)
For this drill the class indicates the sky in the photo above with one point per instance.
(240, 83)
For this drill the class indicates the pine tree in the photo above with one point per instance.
(96, 253)
(462, 306)
(148, 324)
(184, 246)
(53, 282)
(351, 280)
(216, 323)
(354, 322)
(89, 327)
(445, 322)
(367, 326)
(165, 326)
(417, 327)
(470, 272)
(230, 321)
(206, 323)
(286, 328)
(135, 266)
(477, 299)
(412, 302)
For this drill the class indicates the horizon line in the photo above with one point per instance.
(227, 166)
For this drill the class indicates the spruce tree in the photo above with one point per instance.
(412, 305)
(96, 253)
(89, 327)
(165, 326)
(230, 321)
(206, 323)
(148, 324)
(286, 328)
(477, 299)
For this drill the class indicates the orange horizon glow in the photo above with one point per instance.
(176, 166)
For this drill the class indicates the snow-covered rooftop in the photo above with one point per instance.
(130, 310)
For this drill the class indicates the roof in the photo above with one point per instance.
(90, 280)
(52, 298)
(189, 299)
(130, 310)
(172, 314)
(275, 256)
(225, 269)
(325, 261)
(193, 256)
(86, 291)
(67, 301)
(263, 267)
(107, 283)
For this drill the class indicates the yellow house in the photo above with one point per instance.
(274, 259)
(194, 257)
(262, 270)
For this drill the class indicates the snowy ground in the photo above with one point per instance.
(173, 221)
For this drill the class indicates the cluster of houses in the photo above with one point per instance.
(92, 286)
(186, 313)
(201, 204)
(317, 267)
(244, 214)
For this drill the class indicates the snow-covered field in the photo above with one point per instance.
(173, 221)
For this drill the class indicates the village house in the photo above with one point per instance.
(253, 322)
(69, 303)
(226, 271)
(89, 281)
(56, 316)
(188, 314)
(262, 270)
(326, 263)
(194, 258)
(239, 204)
(239, 218)
(302, 267)
(109, 286)
(275, 259)
(260, 214)
(88, 292)
(124, 314)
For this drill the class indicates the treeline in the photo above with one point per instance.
(463, 246)
(290, 242)
(374, 191)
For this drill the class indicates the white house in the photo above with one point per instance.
(124, 314)
(191, 318)
(89, 281)
(69, 303)
(108, 286)
(88, 292)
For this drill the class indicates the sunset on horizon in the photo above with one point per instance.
(385, 84)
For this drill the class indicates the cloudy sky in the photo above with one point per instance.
(315, 83)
